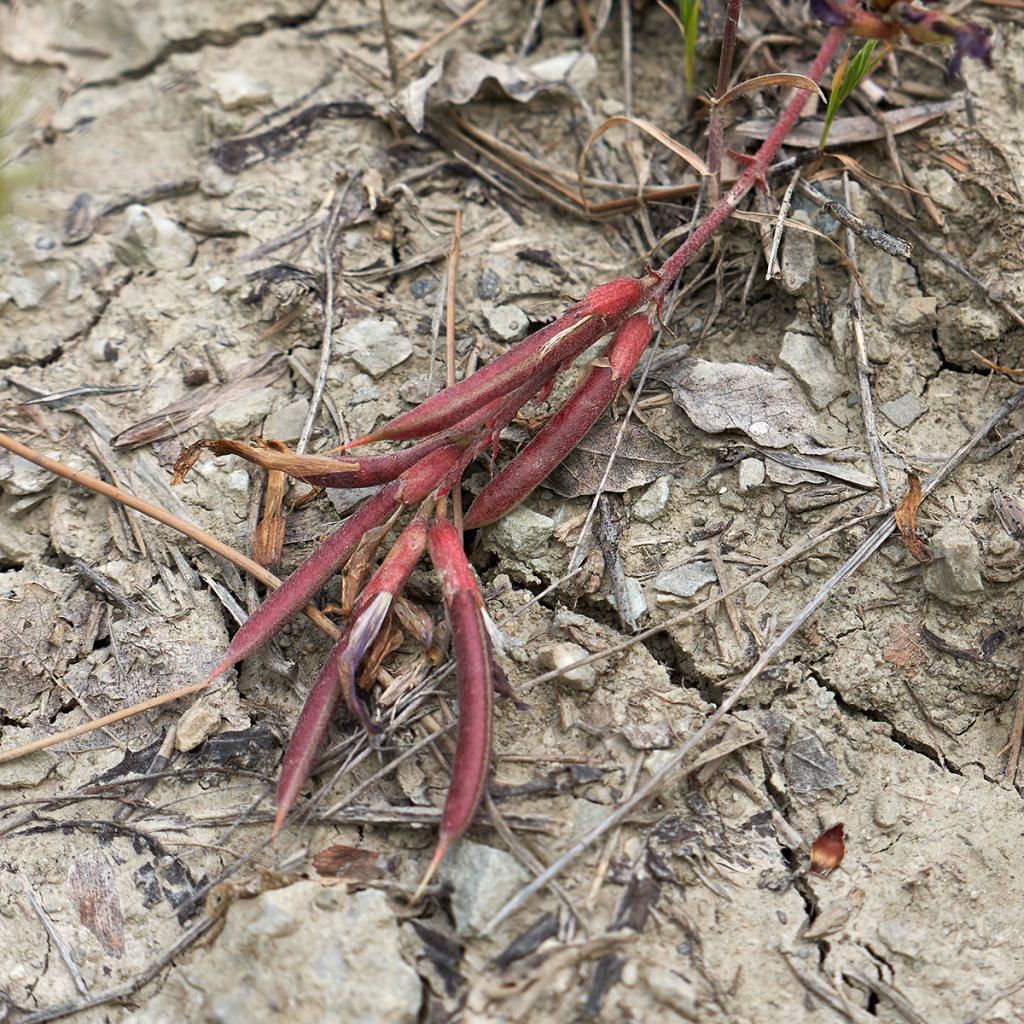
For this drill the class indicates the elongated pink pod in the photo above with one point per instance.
(474, 668)
(572, 333)
(294, 593)
(376, 469)
(565, 429)
(337, 677)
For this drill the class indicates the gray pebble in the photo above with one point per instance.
(812, 364)
(286, 423)
(484, 879)
(506, 323)
(903, 411)
(751, 475)
(954, 573)
(489, 287)
(376, 346)
(650, 505)
(685, 580)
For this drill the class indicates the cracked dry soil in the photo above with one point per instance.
(153, 256)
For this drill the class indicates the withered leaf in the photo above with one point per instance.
(180, 416)
(849, 130)
(352, 864)
(735, 396)
(1011, 515)
(828, 850)
(903, 647)
(460, 75)
(93, 893)
(906, 520)
(641, 459)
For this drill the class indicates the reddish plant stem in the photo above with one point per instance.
(715, 130)
(755, 172)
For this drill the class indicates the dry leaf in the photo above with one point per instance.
(459, 76)
(735, 396)
(641, 459)
(352, 864)
(906, 520)
(180, 416)
(828, 850)
(774, 81)
(92, 891)
(1011, 515)
(903, 647)
(849, 130)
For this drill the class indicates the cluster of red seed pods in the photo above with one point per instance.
(448, 431)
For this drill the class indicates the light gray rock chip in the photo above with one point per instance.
(812, 364)
(506, 323)
(650, 505)
(376, 346)
(485, 879)
(686, 580)
(151, 242)
(305, 954)
(954, 574)
(902, 411)
(286, 423)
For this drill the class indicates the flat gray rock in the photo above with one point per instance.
(376, 346)
(812, 364)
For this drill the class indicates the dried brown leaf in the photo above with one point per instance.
(736, 396)
(906, 520)
(184, 414)
(92, 891)
(775, 81)
(641, 459)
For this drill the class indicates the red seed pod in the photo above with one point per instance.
(474, 668)
(543, 351)
(616, 298)
(565, 429)
(337, 677)
(828, 850)
(294, 593)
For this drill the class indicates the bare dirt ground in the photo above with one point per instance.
(166, 245)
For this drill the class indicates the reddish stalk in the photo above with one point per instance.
(752, 175)
(715, 130)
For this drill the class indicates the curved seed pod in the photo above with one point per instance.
(565, 429)
(294, 593)
(318, 710)
(474, 668)
(572, 333)
(337, 677)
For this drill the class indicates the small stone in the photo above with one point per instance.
(650, 505)
(216, 283)
(489, 286)
(152, 242)
(29, 771)
(751, 475)
(376, 346)
(506, 323)
(954, 573)
(29, 292)
(484, 879)
(233, 418)
(877, 344)
(903, 411)
(818, 566)
(234, 89)
(20, 477)
(812, 364)
(196, 726)
(731, 500)
(901, 939)
(755, 595)
(888, 809)
(648, 735)
(520, 534)
(999, 543)
(301, 953)
(686, 580)
(423, 288)
(914, 312)
(215, 182)
(286, 423)
(556, 656)
(798, 260)
(194, 376)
